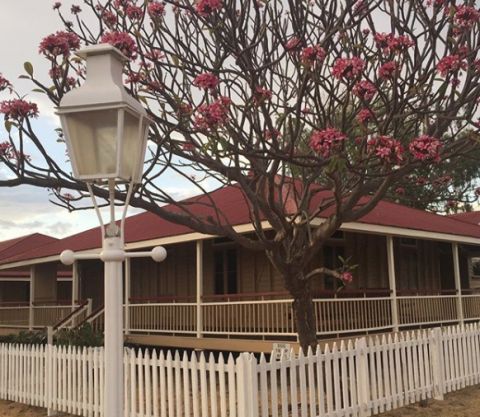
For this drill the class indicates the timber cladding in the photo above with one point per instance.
(229, 268)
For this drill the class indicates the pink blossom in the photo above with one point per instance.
(477, 192)
(213, 116)
(348, 68)
(134, 12)
(4, 83)
(109, 18)
(68, 197)
(450, 64)
(466, 16)
(365, 90)
(387, 70)
(400, 43)
(75, 9)
(292, 44)
(312, 55)
(59, 43)
(346, 277)
(389, 43)
(184, 109)
(325, 142)
(156, 10)
(188, 146)
(122, 41)
(207, 81)
(425, 148)
(261, 94)
(386, 148)
(206, 7)
(18, 109)
(272, 134)
(400, 191)
(365, 116)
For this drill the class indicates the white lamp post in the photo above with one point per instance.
(106, 134)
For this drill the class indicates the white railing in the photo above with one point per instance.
(263, 317)
(471, 306)
(358, 378)
(48, 315)
(346, 315)
(163, 317)
(14, 316)
(427, 310)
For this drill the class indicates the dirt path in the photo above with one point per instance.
(464, 403)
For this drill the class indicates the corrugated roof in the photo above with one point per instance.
(472, 217)
(232, 204)
(14, 247)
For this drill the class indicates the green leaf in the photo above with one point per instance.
(38, 90)
(8, 125)
(24, 77)
(28, 68)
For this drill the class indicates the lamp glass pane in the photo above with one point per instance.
(132, 146)
(93, 141)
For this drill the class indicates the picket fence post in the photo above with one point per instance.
(437, 363)
(363, 383)
(247, 381)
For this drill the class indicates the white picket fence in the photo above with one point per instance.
(356, 378)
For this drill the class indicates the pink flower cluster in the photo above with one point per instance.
(365, 116)
(207, 81)
(348, 68)
(365, 90)
(206, 7)
(109, 18)
(389, 43)
(346, 277)
(156, 10)
(18, 109)
(450, 64)
(466, 16)
(134, 12)
(122, 41)
(292, 44)
(4, 83)
(388, 70)
(261, 95)
(386, 148)
(59, 43)
(7, 151)
(213, 116)
(425, 148)
(272, 134)
(325, 142)
(312, 55)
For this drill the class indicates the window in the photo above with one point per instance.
(475, 268)
(225, 271)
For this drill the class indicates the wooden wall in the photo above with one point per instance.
(424, 265)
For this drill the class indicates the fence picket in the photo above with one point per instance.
(344, 380)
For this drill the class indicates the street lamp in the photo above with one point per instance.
(106, 134)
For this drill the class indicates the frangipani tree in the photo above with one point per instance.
(310, 108)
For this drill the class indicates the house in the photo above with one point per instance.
(414, 269)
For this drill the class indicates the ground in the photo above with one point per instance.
(464, 403)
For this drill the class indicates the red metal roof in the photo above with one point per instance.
(14, 247)
(231, 203)
(472, 217)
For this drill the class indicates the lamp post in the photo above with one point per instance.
(106, 134)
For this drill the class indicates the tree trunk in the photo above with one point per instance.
(304, 314)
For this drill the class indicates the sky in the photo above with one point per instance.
(25, 209)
